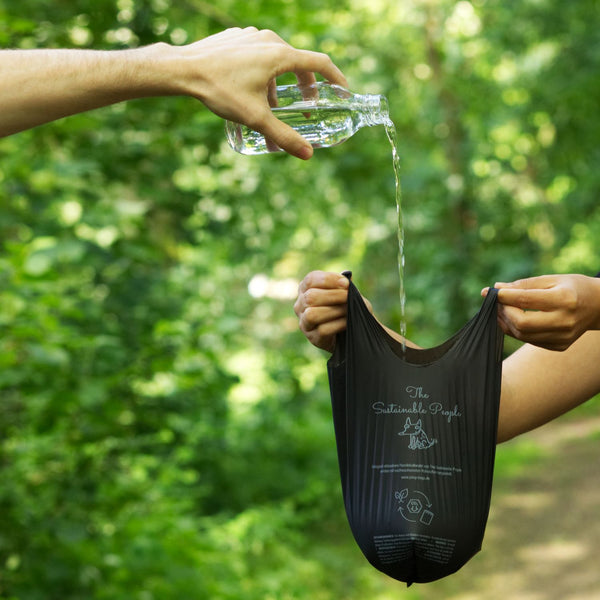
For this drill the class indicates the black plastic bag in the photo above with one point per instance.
(416, 438)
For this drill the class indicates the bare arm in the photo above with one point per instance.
(559, 367)
(539, 385)
(233, 73)
(39, 86)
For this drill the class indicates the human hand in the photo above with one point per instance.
(550, 311)
(321, 307)
(234, 74)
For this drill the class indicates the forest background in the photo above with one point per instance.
(165, 429)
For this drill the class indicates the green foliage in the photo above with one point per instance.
(167, 434)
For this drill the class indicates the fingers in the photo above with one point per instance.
(321, 298)
(272, 94)
(539, 328)
(305, 78)
(307, 62)
(546, 293)
(530, 283)
(321, 320)
(304, 64)
(538, 299)
(321, 307)
(533, 283)
(324, 280)
(550, 311)
(535, 326)
(286, 138)
(324, 337)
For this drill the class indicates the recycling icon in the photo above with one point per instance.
(414, 506)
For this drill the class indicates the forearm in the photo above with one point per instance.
(539, 385)
(39, 86)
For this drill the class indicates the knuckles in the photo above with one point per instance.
(312, 279)
(569, 299)
(310, 298)
(308, 319)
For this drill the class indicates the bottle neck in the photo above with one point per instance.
(375, 109)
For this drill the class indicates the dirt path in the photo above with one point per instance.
(543, 536)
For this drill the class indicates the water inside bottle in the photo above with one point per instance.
(323, 127)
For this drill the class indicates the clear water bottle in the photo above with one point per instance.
(324, 114)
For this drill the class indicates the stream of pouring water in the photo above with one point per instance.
(390, 131)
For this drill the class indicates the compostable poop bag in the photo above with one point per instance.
(416, 439)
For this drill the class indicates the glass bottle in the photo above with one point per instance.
(323, 113)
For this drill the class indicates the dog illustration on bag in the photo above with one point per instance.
(419, 440)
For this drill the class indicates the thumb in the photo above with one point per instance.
(285, 137)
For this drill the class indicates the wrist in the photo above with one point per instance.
(173, 70)
(153, 70)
